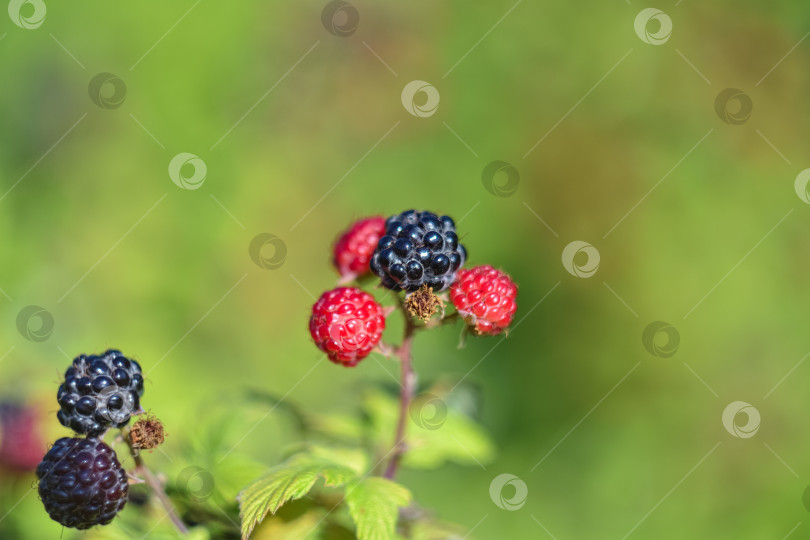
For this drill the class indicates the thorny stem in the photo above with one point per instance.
(403, 352)
(157, 487)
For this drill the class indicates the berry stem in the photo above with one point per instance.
(157, 487)
(403, 352)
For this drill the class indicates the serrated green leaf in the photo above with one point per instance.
(374, 505)
(291, 480)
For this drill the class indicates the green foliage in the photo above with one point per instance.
(291, 480)
(374, 504)
(458, 439)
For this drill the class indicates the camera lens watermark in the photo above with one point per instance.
(751, 418)
(519, 492)
(800, 185)
(584, 269)
(27, 14)
(733, 106)
(35, 323)
(509, 179)
(429, 102)
(107, 90)
(661, 339)
(187, 171)
(196, 483)
(655, 16)
(259, 247)
(428, 411)
(340, 18)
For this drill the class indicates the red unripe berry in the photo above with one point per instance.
(346, 324)
(485, 298)
(21, 441)
(354, 248)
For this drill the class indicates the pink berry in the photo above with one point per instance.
(346, 324)
(354, 248)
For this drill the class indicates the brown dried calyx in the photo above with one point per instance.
(423, 304)
(147, 433)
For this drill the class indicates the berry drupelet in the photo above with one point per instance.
(346, 324)
(418, 248)
(99, 392)
(81, 483)
(485, 299)
(354, 248)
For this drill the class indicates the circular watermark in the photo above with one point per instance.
(187, 171)
(428, 411)
(661, 339)
(196, 483)
(733, 106)
(107, 90)
(268, 251)
(751, 416)
(507, 176)
(800, 185)
(115, 404)
(340, 18)
(429, 103)
(585, 269)
(27, 14)
(518, 495)
(35, 323)
(660, 34)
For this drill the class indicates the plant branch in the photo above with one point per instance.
(403, 352)
(157, 487)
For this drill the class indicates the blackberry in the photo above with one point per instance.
(418, 248)
(81, 483)
(99, 392)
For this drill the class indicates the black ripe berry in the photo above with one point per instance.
(81, 483)
(418, 248)
(99, 392)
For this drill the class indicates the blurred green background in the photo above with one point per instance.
(315, 135)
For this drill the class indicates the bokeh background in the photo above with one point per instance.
(610, 139)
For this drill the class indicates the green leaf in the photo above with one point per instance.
(291, 480)
(374, 504)
(457, 438)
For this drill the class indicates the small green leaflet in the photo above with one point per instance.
(374, 504)
(291, 480)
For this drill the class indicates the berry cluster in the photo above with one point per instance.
(416, 252)
(99, 392)
(81, 482)
(419, 248)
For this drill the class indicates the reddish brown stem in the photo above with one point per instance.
(403, 352)
(157, 487)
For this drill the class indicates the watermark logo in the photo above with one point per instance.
(733, 106)
(340, 18)
(429, 102)
(35, 323)
(428, 411)
(107, 90)
(661, 339)
(196, 483)
(584, 269)
(801, 185)
(187, 171)
(657, 17)
(507, 176)
(268, 251)
(27, 14)
(116, 405)
(731, 419)
(519, 492)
